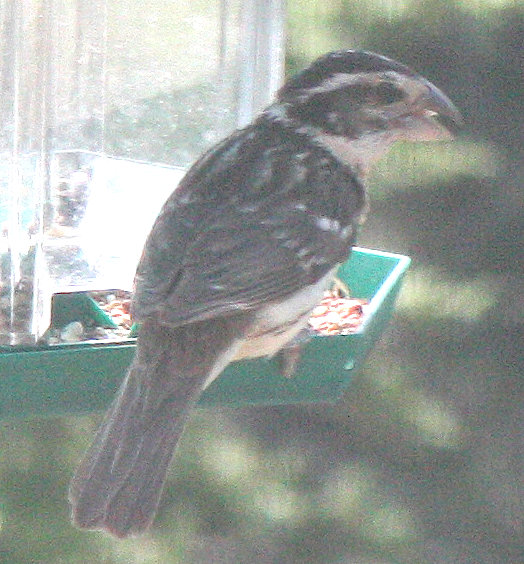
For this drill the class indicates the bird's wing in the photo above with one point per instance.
(246, 231)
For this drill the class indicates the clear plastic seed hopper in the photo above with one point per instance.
(103, 107)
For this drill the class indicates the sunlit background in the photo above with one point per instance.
(422, 461)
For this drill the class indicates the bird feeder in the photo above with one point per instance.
(103, 108)
(84, 80)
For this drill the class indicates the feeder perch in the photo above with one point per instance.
(81, 378)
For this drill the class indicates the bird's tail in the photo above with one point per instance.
(118, 485)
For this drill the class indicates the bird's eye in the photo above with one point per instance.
(387, 93)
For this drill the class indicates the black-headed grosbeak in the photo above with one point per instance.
(240, 254)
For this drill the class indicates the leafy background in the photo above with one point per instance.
(422, 460)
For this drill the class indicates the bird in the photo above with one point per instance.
(241, 252)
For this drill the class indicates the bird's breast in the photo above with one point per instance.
(277, 323)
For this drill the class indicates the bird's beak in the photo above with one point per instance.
(433, 116)
(445, 111)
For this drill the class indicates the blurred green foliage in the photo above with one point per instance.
(422, 461)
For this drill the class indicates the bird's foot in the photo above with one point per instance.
(289, 356)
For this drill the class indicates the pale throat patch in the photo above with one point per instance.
(361, 153)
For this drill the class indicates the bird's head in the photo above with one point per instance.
(358, 103)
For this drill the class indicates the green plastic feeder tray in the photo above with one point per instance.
(81, 378)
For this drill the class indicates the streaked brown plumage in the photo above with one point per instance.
(240, 254)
